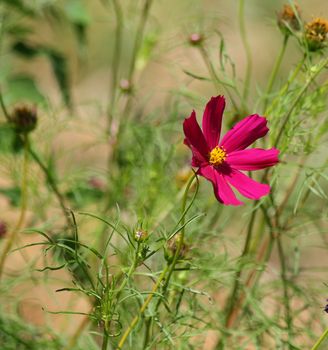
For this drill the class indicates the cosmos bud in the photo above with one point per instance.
(172, 246)
(195, 39)
(24, 118)
(96, 183)
(125, 86)
(141, 235)
(288, 19)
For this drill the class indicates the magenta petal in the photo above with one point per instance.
(197, 159)
(244, 133)
(253, 159)
(247, 186)
(195, 138)
(212, 120)
(222, 190)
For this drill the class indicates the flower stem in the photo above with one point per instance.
(116, 60)
(51, 181)
(275, 71)
(168, 270)
(142, 309)
(53, 185)
(105, 340)
(285, 284)
(181, 238)
(116, 127)
(234, 294)
(217, 81)
(4, 108)
(318, 69)
(241, 18)
(22, 215)
(322, 338)
(233, 305)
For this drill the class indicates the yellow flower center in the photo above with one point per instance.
(217, 156)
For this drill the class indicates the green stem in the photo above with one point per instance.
(147, 333)
(142, 309)
(136, 47)
(23, 208)
(236, 286)
(4, 109)
(275, 71)
(294, 75)
(129, 273)
(53, 185)
(110, 131)
(234, 294)
(300, 95)
(241, 17)
(116, 60)
(322, 338)
(168, 270)
(116, 132)
(182, 233)
(139, 36)
(216, 79)
(105, 340)
(285, 284)
(51, 181)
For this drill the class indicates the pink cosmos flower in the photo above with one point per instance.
(221, 161)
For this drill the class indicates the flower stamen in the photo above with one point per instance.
(217, 156)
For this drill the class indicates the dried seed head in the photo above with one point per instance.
(24, 118)
(141, 235)
(316, 34)
(195, 39)
(3, 229)
(288, 19)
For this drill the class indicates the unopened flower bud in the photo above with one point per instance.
(195, 39)
(97, 184)
(326, 307)
(316, 34)
(125, 86)
(24, 119)
(288, 19)
(172, 247)
(140, 235)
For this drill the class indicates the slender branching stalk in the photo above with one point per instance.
(248, 74)
(316, 71)
(216, 80)
(166, 273)
(53, 185)
(116, 60)
(274, 72)
(286, 301)
(143, 308)
(232, 304)
(23, 207)
(321, 340)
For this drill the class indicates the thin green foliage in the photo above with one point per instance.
(114, 218)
